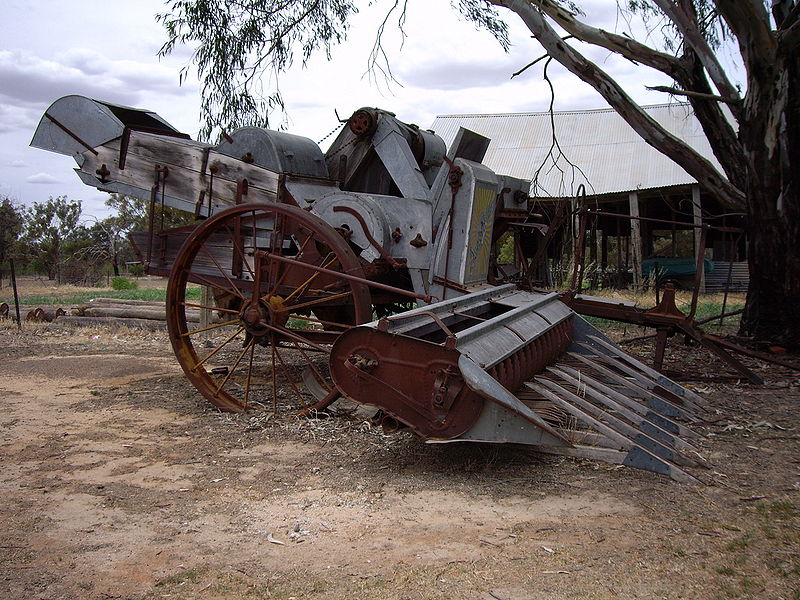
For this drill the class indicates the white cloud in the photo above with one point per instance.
(13, 118)
(27, 79)
(43, 178)
(17, 163)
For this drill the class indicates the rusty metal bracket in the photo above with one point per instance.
(418, 241)
(103, 173)
(66, 130)
(160, 180)
(237, 261)
(667, 319)
(449, 283)
(365, 228)
(427, 298)
(450, 343)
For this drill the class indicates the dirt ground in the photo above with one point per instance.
(119, 481)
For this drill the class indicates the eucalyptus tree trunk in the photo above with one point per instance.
(772, 151)
(758, 179)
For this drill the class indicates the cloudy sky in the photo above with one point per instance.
(107, 50)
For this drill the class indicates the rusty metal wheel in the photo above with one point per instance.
(284, 272)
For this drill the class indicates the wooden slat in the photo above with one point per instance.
(188, 155)
(184, 182)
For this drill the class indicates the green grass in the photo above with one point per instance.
(180, 578)
(764, 550)
(124, 283)
(711, 309)
(154, 295)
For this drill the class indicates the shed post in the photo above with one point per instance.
(636, 239)
(603, 250)
(206, 316)
(697, 212)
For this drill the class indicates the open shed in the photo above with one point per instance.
(621, 175)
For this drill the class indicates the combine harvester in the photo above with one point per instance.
(298, 251)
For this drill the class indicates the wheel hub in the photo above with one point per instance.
(258, 314)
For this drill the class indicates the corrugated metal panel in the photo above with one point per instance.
(717, 280)
(608, 155)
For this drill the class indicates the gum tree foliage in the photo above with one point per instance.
(11, 220)
(133, 214)
(104, 242)
(109, 235)
(238, 42)
(49, 228)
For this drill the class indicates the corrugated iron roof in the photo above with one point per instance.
(607, 154)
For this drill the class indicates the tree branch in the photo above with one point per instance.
(719, 131)
(789, 38)
(653, 133)
(624, 46)
(687, 25)
(749, 22)
(781, 10)
(791, 17)
(677, 92)
(537, 60)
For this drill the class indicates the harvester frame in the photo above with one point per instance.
(374, 264)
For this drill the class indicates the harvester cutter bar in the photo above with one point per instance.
(506, 366)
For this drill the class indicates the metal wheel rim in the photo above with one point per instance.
(185, 336)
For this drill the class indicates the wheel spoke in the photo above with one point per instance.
(322, 322)
(322, 300)
(213, 284)
(218, 348)
(313, 366)
(288, 376)
(274, 380)
(286, 271)
(221, 270)
(293, 336)
(241, 253)
(217, 308)
(301, 289)
(214, 326)
(249, 375)
(235, 364)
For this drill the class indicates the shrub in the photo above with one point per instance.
(123, 283)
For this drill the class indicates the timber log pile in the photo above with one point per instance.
(138, 314)
(36, 314)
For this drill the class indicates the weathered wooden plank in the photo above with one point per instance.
(189, 155)
(184, 184)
